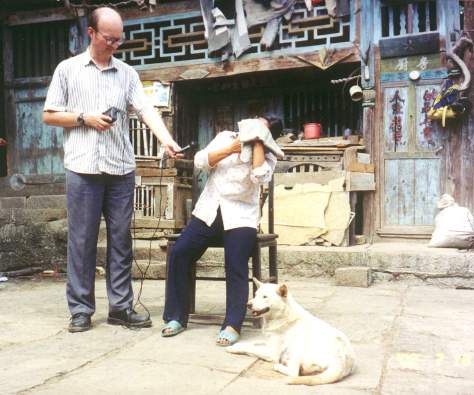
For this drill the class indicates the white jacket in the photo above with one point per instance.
(232, 184)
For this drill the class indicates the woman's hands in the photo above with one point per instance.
(235, 147)
(258, 156)
(215, 157)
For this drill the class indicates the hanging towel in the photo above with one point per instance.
(251, 130)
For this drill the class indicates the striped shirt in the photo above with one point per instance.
(78, 85)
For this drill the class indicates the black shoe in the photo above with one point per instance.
(80, 322)
(130, 319)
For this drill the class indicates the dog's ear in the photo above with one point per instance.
(258, 284)
(282, 290)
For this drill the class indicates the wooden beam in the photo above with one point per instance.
(414, 44)
(411, 232)
(156, 223)
(178, 7)
(218, 69)
(320, 177)
(8, 98)
(41, 16)
(360, 181)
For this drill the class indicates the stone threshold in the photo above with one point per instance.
(387, 261)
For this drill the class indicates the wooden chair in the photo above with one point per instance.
(264, 240)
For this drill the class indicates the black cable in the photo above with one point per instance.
(144, 272)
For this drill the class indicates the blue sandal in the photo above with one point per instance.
(230, 338)
(172, 328)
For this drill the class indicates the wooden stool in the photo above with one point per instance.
(264, 240)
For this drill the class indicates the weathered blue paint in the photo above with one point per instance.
(398, 13)
(367, 40)
(427, 193)
(448, 19)
(411, 191)
(78, 37)
(411, 169)
(396, 110)
(391, 186)
(428, 136)
(39, 147)
(424, 75)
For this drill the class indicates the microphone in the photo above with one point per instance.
(164, 155)
(192, 144)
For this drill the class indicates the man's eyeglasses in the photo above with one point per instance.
(110, 40)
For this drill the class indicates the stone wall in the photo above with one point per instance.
(33, 232)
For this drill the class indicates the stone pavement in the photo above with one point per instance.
(409, 338)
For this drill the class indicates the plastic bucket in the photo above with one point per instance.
(312, 130)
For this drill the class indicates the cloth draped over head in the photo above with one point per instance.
(251, 130)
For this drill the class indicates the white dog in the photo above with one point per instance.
(305, 348)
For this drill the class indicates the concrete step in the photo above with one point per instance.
(156, 270)
(142, 250)
(149, 270)
(388, 261)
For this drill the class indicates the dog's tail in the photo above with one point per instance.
(336, 371)
(327, 377)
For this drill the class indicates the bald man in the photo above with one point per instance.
(100, 166)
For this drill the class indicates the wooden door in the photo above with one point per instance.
(31, 53)
(410, 165)
(38, 146)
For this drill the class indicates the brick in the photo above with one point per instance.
(28, 216)
(354, 276)
(12, 202)
(47, 201)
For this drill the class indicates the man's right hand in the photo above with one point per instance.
(98, 121)
(172, 149)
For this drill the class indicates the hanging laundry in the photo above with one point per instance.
(269, 13)
(223, 33)
(229, 36)
(227, 7)
(240, 37)
(259, 13)
(338, 8)
(216, 38)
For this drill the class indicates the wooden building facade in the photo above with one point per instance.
(383, 41)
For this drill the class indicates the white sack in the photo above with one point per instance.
(454, 225)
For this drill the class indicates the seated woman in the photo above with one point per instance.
(228, 212)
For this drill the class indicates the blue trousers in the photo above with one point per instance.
(88, 197)
(190, 246)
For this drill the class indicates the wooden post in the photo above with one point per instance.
(369, 32)
(8, 98)
(368, 200)
(467, 129)
(3, 150)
